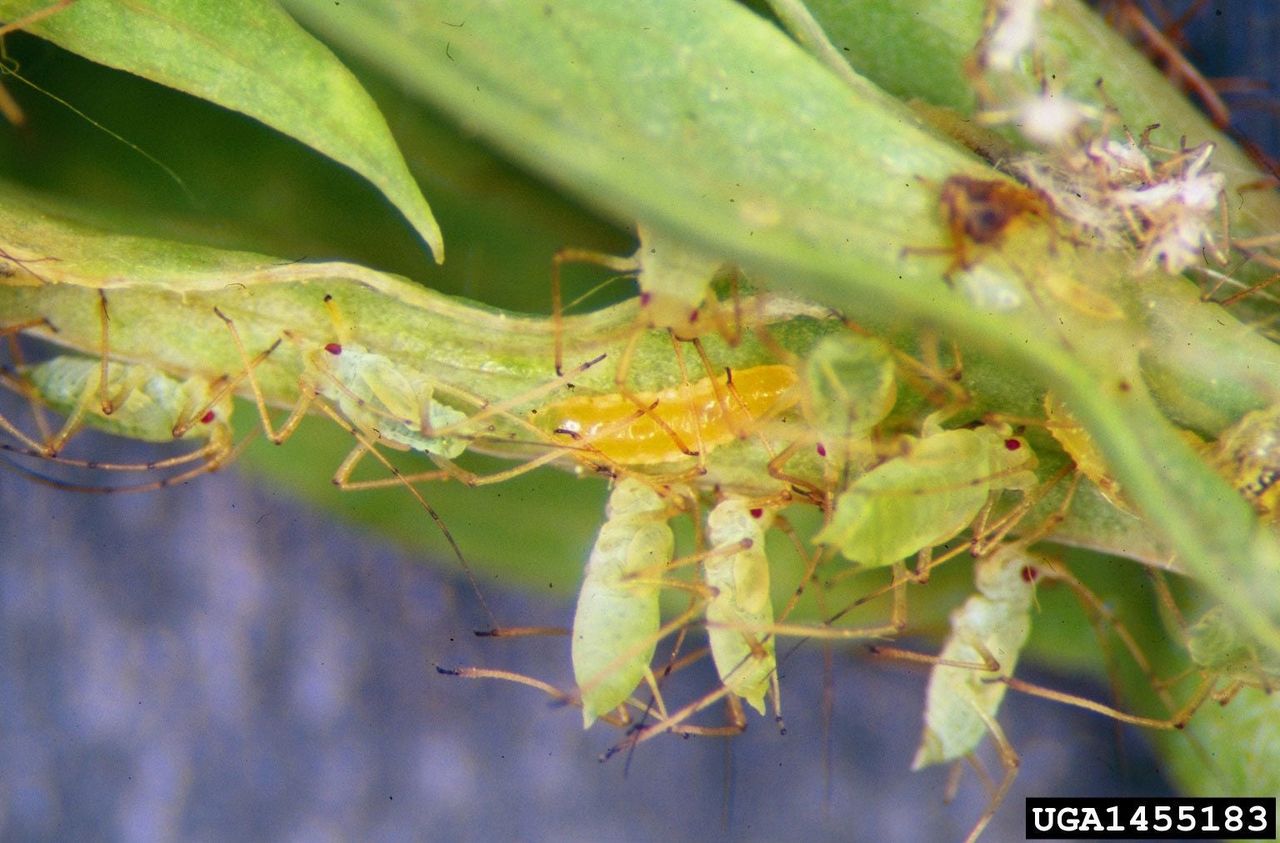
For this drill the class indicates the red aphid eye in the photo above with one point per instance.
(693, 317)
(334, 348)
(209, 416)
(822, 450)
(756, 513)
(1012, 444)
(1029, 574)
(644, 299)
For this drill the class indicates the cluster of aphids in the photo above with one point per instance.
(880, 444)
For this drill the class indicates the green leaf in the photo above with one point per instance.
(249, 56)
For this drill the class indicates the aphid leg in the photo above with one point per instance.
(989, 534)
(306, 397)
(1101, 616)
(107, 402)
(1247, 291)
(75, 419)
(649, 411)
(1009, 761)
(219, 451)
(627, 265)
(11, 377)
(1177, 721)
(829, 631)
(677, 722)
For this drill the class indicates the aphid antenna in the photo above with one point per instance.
(559, 698)
(505, 408)
(626, 266)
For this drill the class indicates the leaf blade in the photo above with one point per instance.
(250, 57)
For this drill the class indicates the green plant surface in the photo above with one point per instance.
(705, 122)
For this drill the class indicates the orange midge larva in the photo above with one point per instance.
(704, 415)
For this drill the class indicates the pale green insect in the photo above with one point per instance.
(145, 404)
(616, 625)
(674, 280)
(385, 400)
(927, 495)
(852, 388)
(1075, 440)
(737, 573)
(376, 394)
(1228, 658)
(987, 634)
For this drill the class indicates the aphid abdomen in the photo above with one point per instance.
(704, 413)
(615, 627)
(740, 613)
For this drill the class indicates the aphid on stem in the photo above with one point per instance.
(133, 400)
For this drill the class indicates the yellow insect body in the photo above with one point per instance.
(706, 414)
(1075, 440)
(615, 627)
(740, 602)
(1247, 454)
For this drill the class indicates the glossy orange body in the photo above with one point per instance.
(703, 415)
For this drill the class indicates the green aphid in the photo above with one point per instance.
(740, 612)
(1247, 454)
(991, 625)
(852, 388)
(928, 494)
(145, 403)
(615, 627)
(377, 395)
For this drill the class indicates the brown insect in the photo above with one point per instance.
(980, 211)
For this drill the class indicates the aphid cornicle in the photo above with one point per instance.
(615, 626)
(741, 604)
